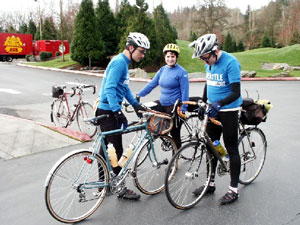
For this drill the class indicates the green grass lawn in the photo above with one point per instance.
(251, 60)
(56, 63)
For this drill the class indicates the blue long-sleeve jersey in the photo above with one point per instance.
(115, 85)
(174, 83)
(219, 76)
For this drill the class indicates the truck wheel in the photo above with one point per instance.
(9, 59)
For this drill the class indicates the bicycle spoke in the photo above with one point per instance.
(191, 173)
(149, 169)
(252, 148)
(70, 190)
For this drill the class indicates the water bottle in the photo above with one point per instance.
(112, 155)
(222, 151)
(126, 155)
(226, 160)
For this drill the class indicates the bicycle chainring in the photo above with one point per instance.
(221, 170)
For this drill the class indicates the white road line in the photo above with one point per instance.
(47, 94)
(10, 91)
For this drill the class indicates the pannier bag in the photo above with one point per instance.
(57, 91)
(160, 126)
(254, 112)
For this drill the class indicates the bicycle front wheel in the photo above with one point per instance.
(192, 172)
(149, 168)
(84, 113)
(253, 150)
(76, 186)
(59, 113)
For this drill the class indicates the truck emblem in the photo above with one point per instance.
(13, 45)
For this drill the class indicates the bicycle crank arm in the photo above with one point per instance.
(164, 162)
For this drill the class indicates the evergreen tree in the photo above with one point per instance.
(265, 41)
(23, 29)
(140, 22)
(295, 38)
(193, 36)
(86, 43)
(106, 25)
(233, 46)
(227, 45)
(49, 31)
(240, 46)
(122, 18)
(164, 32)
(31, 28)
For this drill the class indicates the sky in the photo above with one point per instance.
(169, 5)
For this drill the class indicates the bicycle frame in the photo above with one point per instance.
(100, 141)
(209, 145)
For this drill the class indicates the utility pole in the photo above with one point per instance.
(40, 18)
(61, 29)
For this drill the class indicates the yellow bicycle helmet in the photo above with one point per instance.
(171, 47)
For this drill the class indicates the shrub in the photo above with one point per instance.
(45, 56)
(57, 54)
(28, 57)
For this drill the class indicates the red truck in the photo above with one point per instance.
(19, 45)
(15, 46)
(54, 46)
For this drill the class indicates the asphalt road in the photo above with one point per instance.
(273, 199)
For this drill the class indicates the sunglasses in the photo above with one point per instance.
(206, 59)
(142, 51)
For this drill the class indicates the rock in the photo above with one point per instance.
(282, 74)
(282, 66)
(267, 66)
(245, 73)
(197, 75)
(138, 73)
(296, 68)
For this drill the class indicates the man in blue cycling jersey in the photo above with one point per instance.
(114, 88)
(222, 90)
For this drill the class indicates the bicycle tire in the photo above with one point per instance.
(189, 130)
(64, 199)
(59, 113)
(191, 173)
(252, 153)
(149, 173)
(84, 113)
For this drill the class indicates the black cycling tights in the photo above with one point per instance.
(229, 129)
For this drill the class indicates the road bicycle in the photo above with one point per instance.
(78, 183)
(63, 115)
(196, 169)
(190, 122)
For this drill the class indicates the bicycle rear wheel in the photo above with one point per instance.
(76, 186)
(253, 150)
(189, 130)
(192, 172)
(59, 112)
(149, 169)
(84, 113)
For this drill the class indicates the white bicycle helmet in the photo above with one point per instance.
(204, 44)
(138, 39)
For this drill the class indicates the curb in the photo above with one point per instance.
(148, 80)
(76, 135)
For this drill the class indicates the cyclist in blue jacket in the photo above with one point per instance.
(223, 92)
(114, 88)
(174, 83)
